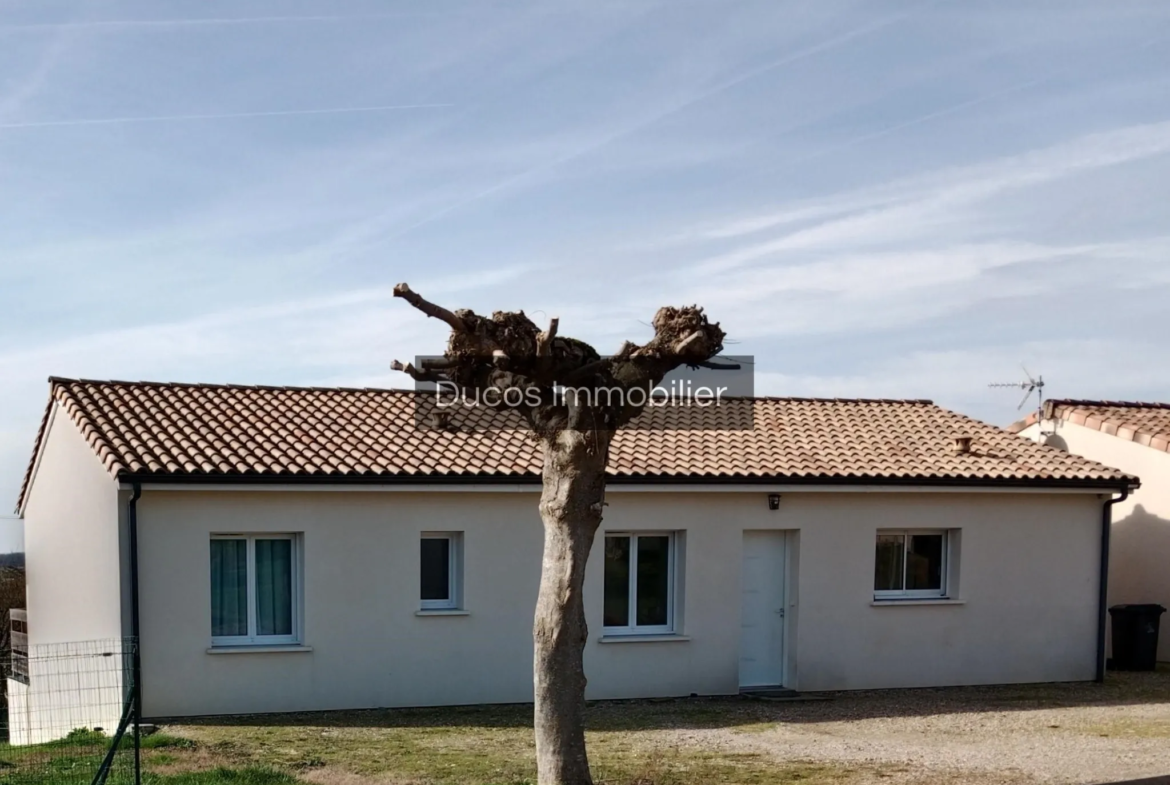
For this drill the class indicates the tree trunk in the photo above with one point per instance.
(570, 506)
(508, 353)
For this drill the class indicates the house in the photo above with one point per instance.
(303, 549)
(1134, 437)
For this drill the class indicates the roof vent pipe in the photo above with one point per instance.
(962, 445)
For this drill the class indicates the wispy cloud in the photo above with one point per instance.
(220, 116)
(30, 83)
(913, 251)
(874, 292)
(115, 24)
(922, 205)
(626, 127)
(327, 331)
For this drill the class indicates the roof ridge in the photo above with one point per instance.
(65, 381)
(819, 399)
(968, 418)
(1107, 403)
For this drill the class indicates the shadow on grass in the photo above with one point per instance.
(1120, 689)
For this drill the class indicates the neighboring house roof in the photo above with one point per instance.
(193, 432)
(1136, 421)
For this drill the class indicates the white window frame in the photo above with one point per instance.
(916, 594)
(671, 566)
(454, 572)
(253, 639)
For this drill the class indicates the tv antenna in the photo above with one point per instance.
(1033, 385)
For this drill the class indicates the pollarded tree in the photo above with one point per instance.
(507, 361)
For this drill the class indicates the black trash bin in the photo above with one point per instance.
(1135, 636)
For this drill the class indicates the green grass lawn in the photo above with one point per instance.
(700, 741)
(635, 743)
(630, 744)
(75, 760)
(463, 746)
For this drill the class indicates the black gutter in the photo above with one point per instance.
(1103, 588)
(136, 657)
(1110, 485)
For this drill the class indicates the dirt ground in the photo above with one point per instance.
(1065, 733)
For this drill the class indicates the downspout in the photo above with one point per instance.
(1103, 589)
(136, 657)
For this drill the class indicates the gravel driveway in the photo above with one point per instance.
(1082, 733)
(1056, 733)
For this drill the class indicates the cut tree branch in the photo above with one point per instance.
(681, 346)
(544, 343)
(418, 375)
(429, 308)
(714, 366)
(544, 340)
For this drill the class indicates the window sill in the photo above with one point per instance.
(657, 638)
(442, 612)
(917, 601)
(278, 649)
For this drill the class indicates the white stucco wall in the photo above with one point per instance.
(72, 544)
(1028, 579)
(1139, 563)
(74, 555)
(1028, 570)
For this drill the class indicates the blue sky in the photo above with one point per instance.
(875, 198)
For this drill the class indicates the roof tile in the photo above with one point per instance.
(231, 431)
(1143, 422)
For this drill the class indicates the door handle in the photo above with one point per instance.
(780, 611)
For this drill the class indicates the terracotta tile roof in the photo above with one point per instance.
(228, 432)
(1145, 423)
(1021, 425)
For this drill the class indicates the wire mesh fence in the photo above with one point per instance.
(66, 712)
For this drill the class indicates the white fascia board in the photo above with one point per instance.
(32, 478)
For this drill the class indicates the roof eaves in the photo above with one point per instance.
(1115, 483)
(38, 445)
(1081, 412)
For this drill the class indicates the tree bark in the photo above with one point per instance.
(570, 505)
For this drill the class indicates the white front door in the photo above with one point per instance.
(761, 647)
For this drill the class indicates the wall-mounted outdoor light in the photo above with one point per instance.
(773, 501)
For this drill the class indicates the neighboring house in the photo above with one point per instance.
(305, 549)
(1135, 437)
